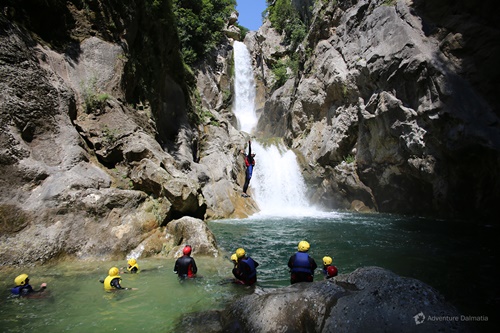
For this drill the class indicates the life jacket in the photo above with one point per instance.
(107, 282)
(131, 268)
(247, 161)
(251, 264)
(19, 290)
(301, 263)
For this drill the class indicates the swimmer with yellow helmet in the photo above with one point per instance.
(132, 266)
(302, 265)
(113, 280)
(23, 288)
(245, 268)
(329, 270)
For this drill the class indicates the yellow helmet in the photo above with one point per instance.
(113, 271)
(240, 253)
(304, 246)
(21, 280)
(132, 262)
(234, 257)
(327, 260)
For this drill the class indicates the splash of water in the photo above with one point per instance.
(277, 184)
(244, 88)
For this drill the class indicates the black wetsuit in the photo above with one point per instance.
(185, 267)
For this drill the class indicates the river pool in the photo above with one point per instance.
(456, 258)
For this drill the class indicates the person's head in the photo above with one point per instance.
(131, 262)
(303, 246)
(240, 253)
(21, 280)
(327, 260)
(234, 257)
(187, 250)
(113, 271)
(331, 271)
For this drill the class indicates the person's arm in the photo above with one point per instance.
(313, 264)
(42, 287)
(290, 262)
(176, 267)
(116, 284)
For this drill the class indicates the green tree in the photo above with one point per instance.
(285, 18)
(200, 24)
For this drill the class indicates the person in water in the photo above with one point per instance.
(113, 280)
(132, 266)
(329, 270)
(249, 163)
(23, 288)
(245, 269)
(185, 266)
(301, 265)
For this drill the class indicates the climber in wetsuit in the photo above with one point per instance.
(185, 266)
(249, 163)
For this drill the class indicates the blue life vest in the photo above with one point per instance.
(301, 263)
(19, 290)
(251, 264)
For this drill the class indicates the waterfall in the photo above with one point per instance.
(277, 184)
(244, 88)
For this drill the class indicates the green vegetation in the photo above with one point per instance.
(281, 70)
(200, 24)
(92, 99)
(350, 159)
(285, 18)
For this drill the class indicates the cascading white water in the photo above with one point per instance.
(277, 184)
(244, 88)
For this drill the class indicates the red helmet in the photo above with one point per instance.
(332, 271)
(186, 250)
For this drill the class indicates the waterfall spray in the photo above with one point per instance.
(277, 184)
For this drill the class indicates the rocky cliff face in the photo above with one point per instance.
(394, 104)
(100, 146)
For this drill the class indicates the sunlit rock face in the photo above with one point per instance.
(394, 88)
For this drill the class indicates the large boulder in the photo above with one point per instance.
(369, 299)
(190, 231)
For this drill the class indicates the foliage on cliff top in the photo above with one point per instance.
(200, 24)
(284, 17)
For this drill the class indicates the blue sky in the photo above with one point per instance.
(250, 13)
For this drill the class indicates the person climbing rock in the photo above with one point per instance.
(23, 288)
(249, 163)
(329, 270)
(245, 271)
(185, 266)
(301, 265)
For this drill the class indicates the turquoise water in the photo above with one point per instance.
(455, 258)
